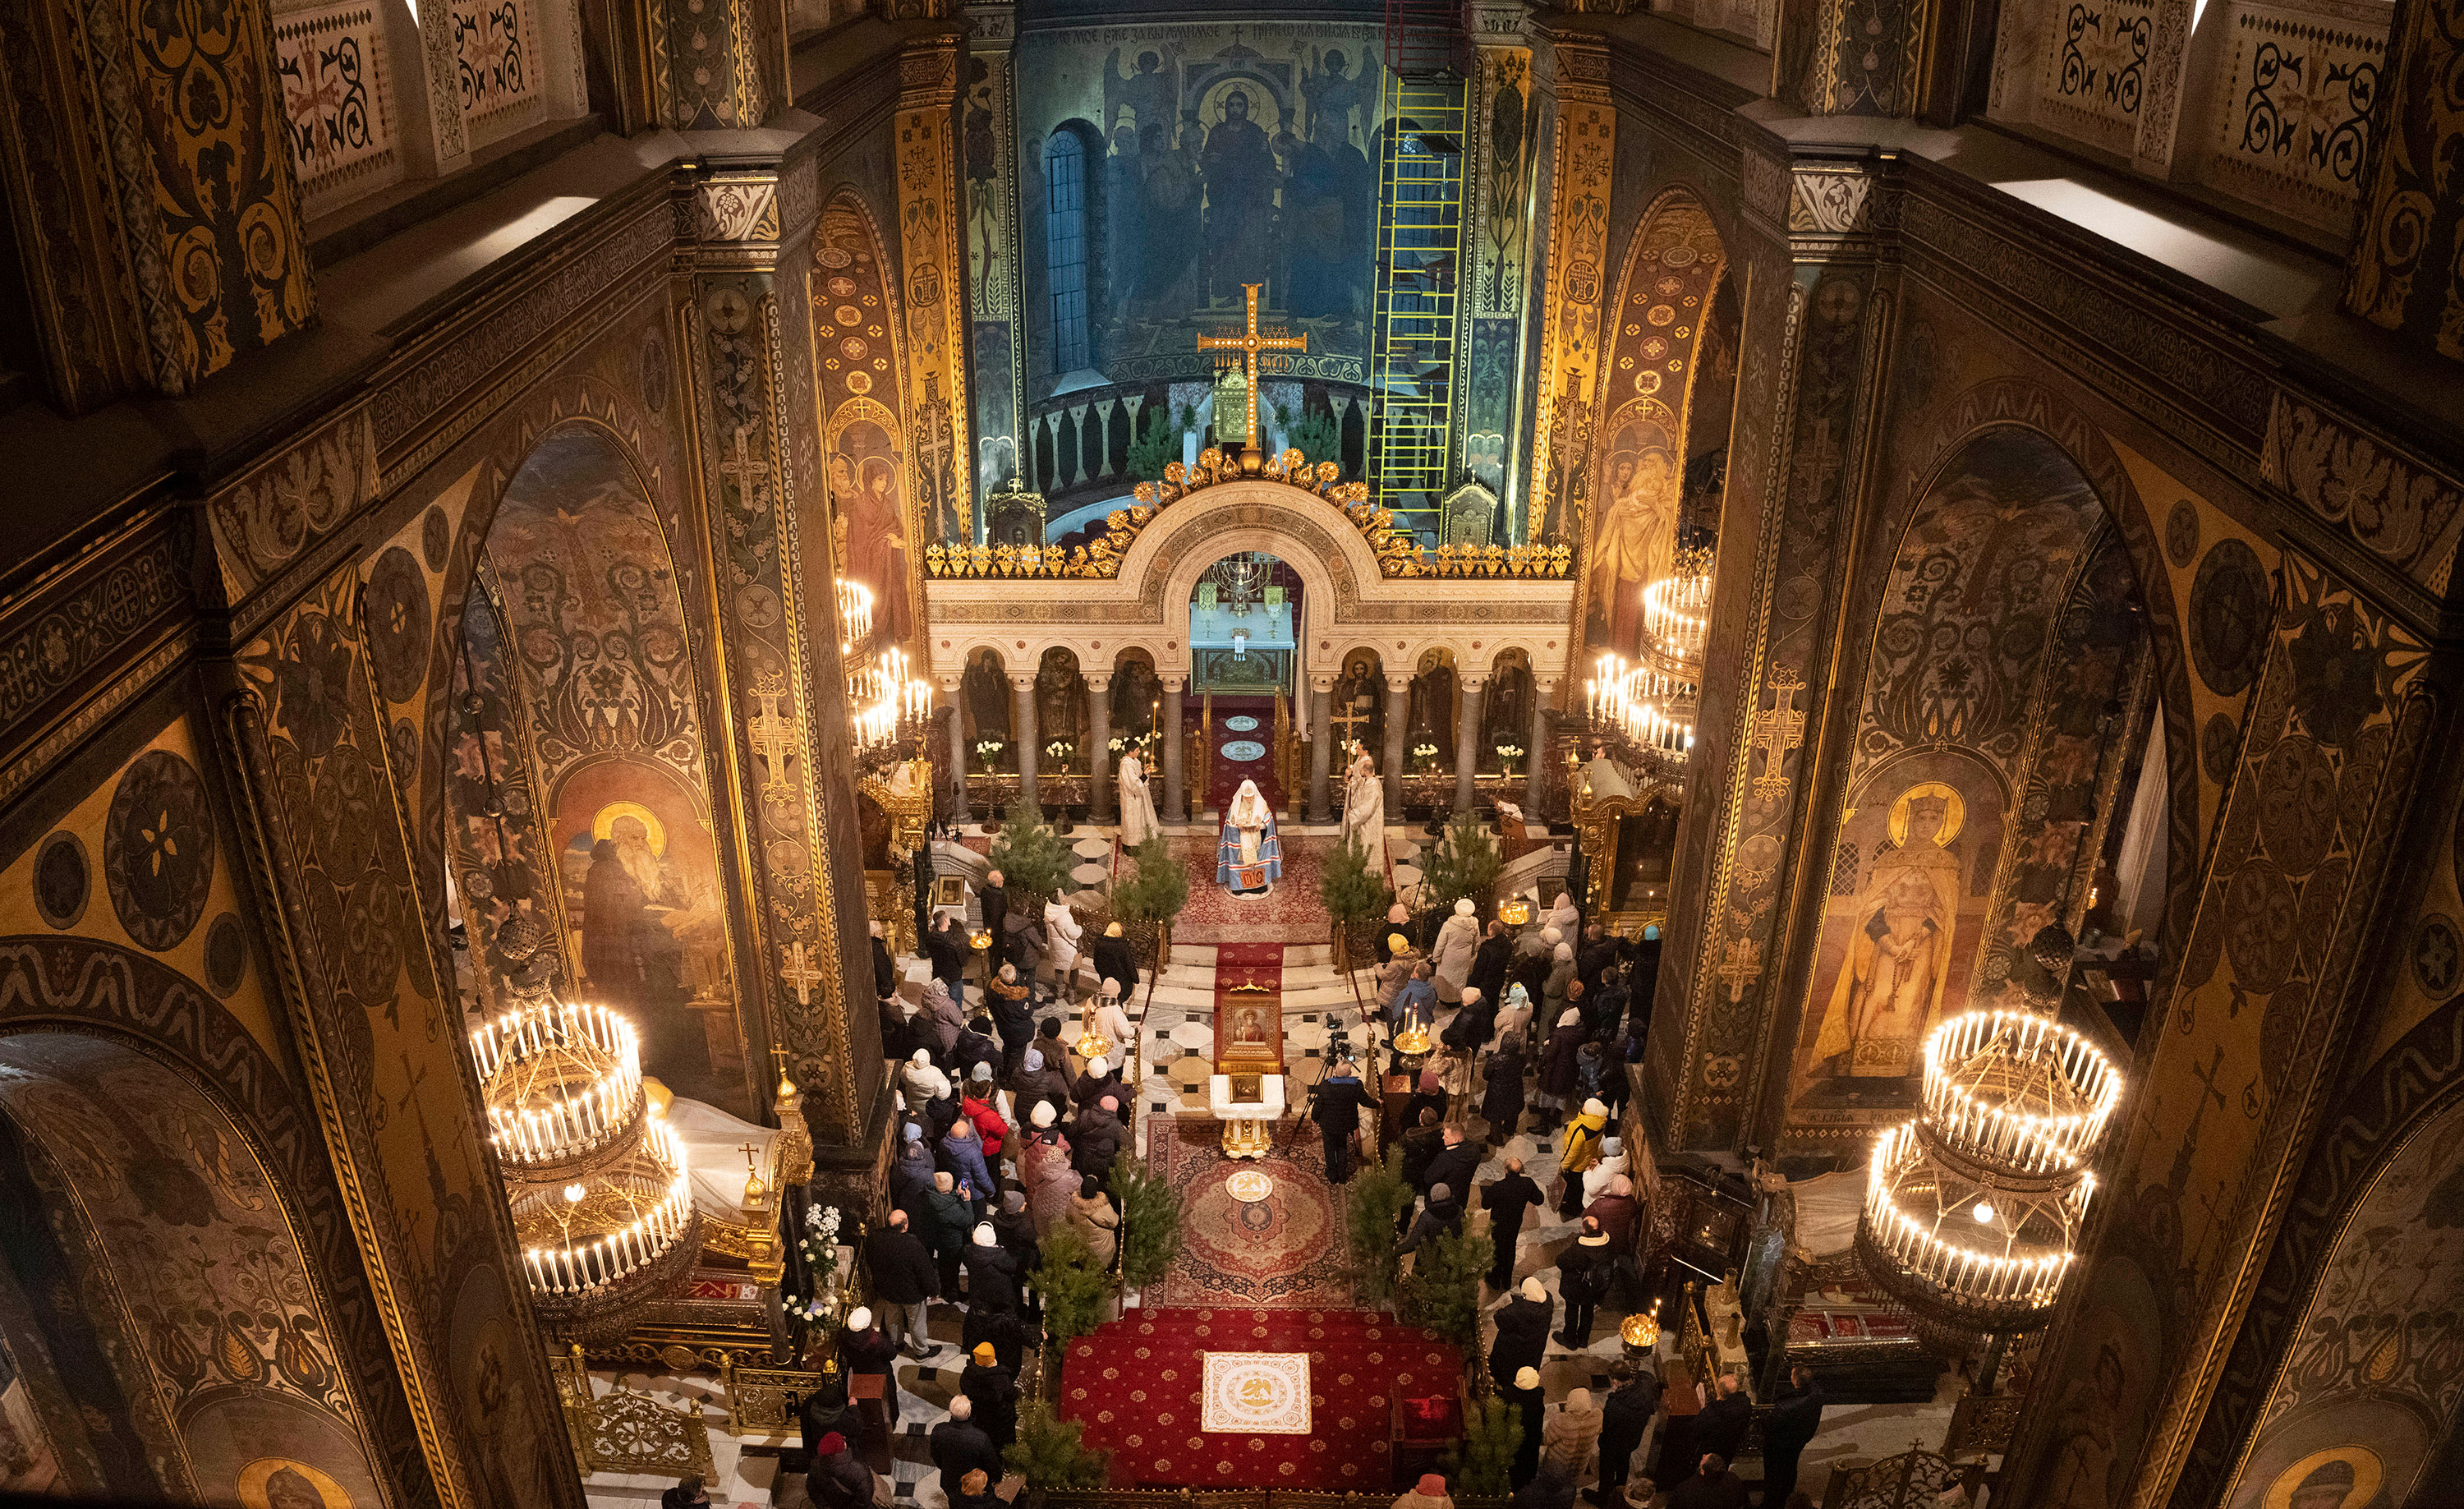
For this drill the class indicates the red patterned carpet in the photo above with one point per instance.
(1289, 914)
(1136, 1381)
(1284, 1251)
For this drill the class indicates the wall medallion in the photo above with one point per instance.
(2229, 615)
(157, 848)
(226, 954)
(2436, 963)
(64, 880)
(2220, 746)
(396, 610)
(2182, 534)
(435, 537)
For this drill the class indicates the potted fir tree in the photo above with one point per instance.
(1030, 856)
(1147, 905)
(1353, 895)
(1150, 1224)
(1465, 864)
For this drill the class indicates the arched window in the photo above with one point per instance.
(1065, 242)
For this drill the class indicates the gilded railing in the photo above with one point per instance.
(627, 1431)
(1399, 552)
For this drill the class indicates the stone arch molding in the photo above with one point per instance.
(1344, 601)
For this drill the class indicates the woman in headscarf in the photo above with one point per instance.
(1561, 974)
(1616, 1210)
(1112, 1024)
(1557, 1078)
(1585, 1135)
(1393, 975)
(941, 1019)
(1091, 1212)
(1563, 917)
(1514, 1017)
(922, 1082)
(1062, 932)
(1043, 1166)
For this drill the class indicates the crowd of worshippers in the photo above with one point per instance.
(1004, 1135)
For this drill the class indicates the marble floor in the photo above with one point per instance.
(1176, 1044)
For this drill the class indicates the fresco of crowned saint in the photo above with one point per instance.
(1900, 947)
(1635, 544)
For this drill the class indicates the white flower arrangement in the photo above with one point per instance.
(819, 1244)
(1060, 749)
(1424, 754)
(1510, 751)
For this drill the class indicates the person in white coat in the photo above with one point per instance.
(1138, 804)
(1111, 1022)
(925, 1083)
(1451, 956)
(1061, 933)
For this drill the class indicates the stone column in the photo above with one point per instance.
(1468, 739)
(1023, 735)
(1174, 810)
(958, 739)
(1535, 744)
(1321, 694)
(1099, 748)
(783, 748)
(1399, 704)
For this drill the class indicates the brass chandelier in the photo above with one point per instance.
(597, 1181)
(1652, 701)
(1973, 1208)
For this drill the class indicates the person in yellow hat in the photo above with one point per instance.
(994, 1393)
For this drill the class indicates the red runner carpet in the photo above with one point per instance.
(1224, 773)
(1136, 1384)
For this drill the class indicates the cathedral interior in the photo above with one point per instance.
(558, 548)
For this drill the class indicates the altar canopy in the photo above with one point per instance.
(1249, 860)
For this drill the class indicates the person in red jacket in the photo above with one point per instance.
(980, 1107)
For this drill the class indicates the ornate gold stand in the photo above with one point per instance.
(1248, 1137)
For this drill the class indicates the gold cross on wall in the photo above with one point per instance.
(1778, 730)
(773, 734)
(1249, 345)
(747, 471)
(797, 970)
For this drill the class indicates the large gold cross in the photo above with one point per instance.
(1778, 730)
(796, 968)
(1249, 345)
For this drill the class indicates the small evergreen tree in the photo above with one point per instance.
(1157, 444)
(1377, 1195)
(1352, 892)
(1442, 1290)
(1160, 890)
(1478, 1464)
(1150, 1222)
(1030, 856)
(1074, 1286)
(1465, 863)
(1317, 437)
(1051, 1453)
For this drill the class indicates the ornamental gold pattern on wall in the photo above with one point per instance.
(1583, 160)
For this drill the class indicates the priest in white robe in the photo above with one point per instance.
(1138, 804)
(1250, 858)
(1364, 807)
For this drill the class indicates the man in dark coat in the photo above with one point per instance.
(1001, 1330)
(1489, 965)
(885, 969)
(960, 1446)
(947, 948)
(994, 1391)
(904, 1282)
(1522, 1393)
(1522, 1332)
(1095, 1138)
(1501, 1103)
(1592, 958)
(1014, 1019)
(1421, 1147)
(1583, 1274)
(974, 1046)
(942, 1227)
(1721, 1429)
(1795, 1415)
(1507, 1200)
(1016, 1229)
(1442, 1215)
(1711, 1487)
(1625, 1416)
(1115, 960)
(1336, 1109)
(993, 898)
(1456, 1163)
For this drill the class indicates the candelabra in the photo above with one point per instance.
(1973, 1208)
(1651, 702)
(889, 708)
(600, 1196)
(855, 616)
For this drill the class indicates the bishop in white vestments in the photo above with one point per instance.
(1250, 858)
(1138, 804)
